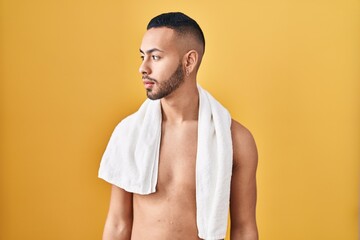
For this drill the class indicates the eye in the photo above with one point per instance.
(142, 58)
(155, 57)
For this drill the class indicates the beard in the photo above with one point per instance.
(165, 88)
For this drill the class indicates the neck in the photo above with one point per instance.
(181, 105)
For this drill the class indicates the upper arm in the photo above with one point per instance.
(243, 182)
(120, 215)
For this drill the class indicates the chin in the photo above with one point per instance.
(150, 96)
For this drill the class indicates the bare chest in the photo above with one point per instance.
(177, 160)
(171, 210)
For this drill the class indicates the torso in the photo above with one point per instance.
(170, 212)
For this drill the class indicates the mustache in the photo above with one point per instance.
(148, 78)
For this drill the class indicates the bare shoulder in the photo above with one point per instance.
(244, 146)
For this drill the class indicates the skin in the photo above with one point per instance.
(170, 213)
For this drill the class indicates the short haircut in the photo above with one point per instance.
(180, 23)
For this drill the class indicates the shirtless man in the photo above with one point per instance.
(170, 61)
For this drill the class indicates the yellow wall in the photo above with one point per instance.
(288, 70)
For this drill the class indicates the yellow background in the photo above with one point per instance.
(288, 70)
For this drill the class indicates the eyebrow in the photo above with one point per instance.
(151, 50)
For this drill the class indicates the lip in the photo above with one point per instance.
(148, 84)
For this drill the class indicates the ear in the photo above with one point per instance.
(191, 59)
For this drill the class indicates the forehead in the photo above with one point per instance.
(162, 38)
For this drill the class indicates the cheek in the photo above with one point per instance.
(166, 70)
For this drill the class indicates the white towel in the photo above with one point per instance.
(131, 159)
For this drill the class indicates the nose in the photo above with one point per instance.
(144, 68)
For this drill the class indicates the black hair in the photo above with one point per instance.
(180, 23)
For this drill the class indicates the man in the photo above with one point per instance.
(171, 51)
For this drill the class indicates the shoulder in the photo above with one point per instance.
(244, 146)
(127, 123)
